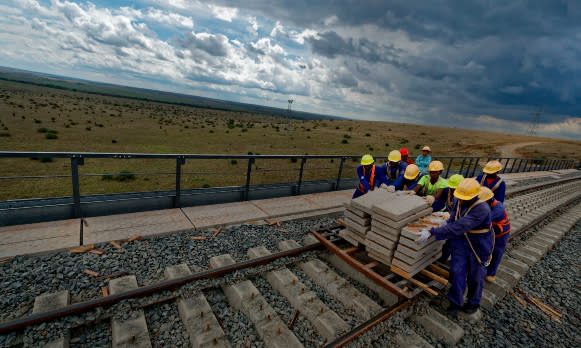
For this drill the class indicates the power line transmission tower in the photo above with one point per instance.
(535, 125)
(290, 102)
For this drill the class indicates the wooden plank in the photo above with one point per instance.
(82, 249)
(97, 251)
(371, 264)
(105, 291)
(198, 238)
(115, 244)
(402, 273)
(351, 250)
(91, 273)
(439, 271)
(136, 237)
(217, 232)
(434, 277)
(341, 222)
(378, 279)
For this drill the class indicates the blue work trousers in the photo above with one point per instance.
(499, 246)
(465, 270)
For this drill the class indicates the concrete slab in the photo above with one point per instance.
(416, 268)
(400, 207)
(130, 333)
(411, 340)
(177, 271)
(525, 257)
(355, 241)
(328, 200)
(365, 221)
(289, 244)
(123, 226)
(514, 264)
(419, 258)
(488, 299)
(221, 261)
(254, 253)
(385, 228)
(411, 244)
(365, 203)
(352, 225)
(63, 342)
(357, 212)
(386, 260)
(276, 207)
(220, 214)
(122, 284)
(379, 239)
(196, 313)
(404, 221)
(51, 301)
(471, 318)
(499, 287)
(438, 325)
(40, 237)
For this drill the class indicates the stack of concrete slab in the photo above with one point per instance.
(411, 257)
(358, 215)
(389, 216)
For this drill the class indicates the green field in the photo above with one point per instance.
(40, 118)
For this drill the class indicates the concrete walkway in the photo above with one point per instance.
(56, 235)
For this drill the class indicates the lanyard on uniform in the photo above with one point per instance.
(484, 264)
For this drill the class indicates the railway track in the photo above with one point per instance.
(276, 294)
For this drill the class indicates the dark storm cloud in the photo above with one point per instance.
(478, 56)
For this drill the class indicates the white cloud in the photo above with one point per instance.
(224, 13)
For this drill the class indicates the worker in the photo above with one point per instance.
(453, 182)
(424, 160)
(366, 173)
(471, 242)
(394, 170)
(490, 179)
(405, 156)
(433, 185)
(500, 226)
(411, 177)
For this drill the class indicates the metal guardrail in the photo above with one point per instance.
(466, 165)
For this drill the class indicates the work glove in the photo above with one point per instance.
(424, 235)
(409, 192)
(430, 199)
(391, 188)
(383, 186)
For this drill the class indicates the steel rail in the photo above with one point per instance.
(9, 326)
(541, 218)
(366, 326)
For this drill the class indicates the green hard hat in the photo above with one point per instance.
(454, 180)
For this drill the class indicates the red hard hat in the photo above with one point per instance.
(404, 151)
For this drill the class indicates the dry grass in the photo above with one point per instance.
(91, 123)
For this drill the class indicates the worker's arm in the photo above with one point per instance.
(362, 178)
(462, 225)
(380, 176)
(439, 193)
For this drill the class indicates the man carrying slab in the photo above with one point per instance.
(471, 243)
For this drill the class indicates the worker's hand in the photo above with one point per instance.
(383, 186)
(424, 235)
(446, 216)
(391, 188)
(430, 199)
(442, 223)
(409, 192)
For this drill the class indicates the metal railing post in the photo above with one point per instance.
(300, 182)
(75, 163)
(462, 166)
(468, 170)
(449, 166)
(248, 171)
(474, 169)
(177, 200)
(339, 174)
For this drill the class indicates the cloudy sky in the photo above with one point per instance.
(477, 64)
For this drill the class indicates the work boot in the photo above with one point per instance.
(470, 308)
(453, 309)
(491, 278)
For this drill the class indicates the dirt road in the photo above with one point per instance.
(509, 150)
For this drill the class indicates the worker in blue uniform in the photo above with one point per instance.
(368, 178)
(501, 228)
(449, 199)
(411, 176)
(394, 170)
(490, 179)
(471, 243)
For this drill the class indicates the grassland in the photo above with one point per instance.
(38, 118)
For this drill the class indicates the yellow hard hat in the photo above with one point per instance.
(492, 167)
(366, 160)
(394, 156)
(435, 166)
(467, 189)
(485, 194)
(454, 180)
(411, 172)
(426, 148)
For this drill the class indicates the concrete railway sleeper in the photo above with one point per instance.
(203, 325)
